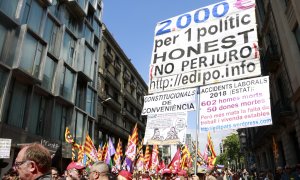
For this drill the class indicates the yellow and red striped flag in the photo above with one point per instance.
(131, 148)
(185, 157)
(147, 158)
(90, 149)
(68, 136)
(154, 158)
(99, 153)
(118, 155)
(104, 152)
(213, 157)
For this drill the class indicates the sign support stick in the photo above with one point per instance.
(197, 127)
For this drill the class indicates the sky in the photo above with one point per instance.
(132, 24)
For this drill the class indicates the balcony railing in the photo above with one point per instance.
(108, 55)
(111, 79)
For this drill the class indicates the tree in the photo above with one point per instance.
(231, 153)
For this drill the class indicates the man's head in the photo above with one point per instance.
(74, 170)
(99, 170)
(54, 173)
(33, 161)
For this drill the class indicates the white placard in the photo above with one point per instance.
(5, 145)
(165, 129)
(234, 105)
(209, 45)
(170, 102)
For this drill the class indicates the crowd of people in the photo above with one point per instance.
(33, 162)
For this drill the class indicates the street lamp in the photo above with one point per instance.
(105, 100)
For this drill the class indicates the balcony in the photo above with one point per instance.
(112, 127)
(131, 99)
(108, 55)
(117, 66)
(129, 115)
(133, 84)
(77, 7)
(271, 60)
(126, 76)
(111, 79)
(114, 103)
(139, 90)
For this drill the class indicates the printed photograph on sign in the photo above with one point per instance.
(235, 104)
(165, 129)
(213, 44)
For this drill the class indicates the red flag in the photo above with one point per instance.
(175, 163)
(140, 163)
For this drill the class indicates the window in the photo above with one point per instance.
(80, 95)
(16, 104)
(3, 79)
(33, 14)
(50, 34)
(80, 127)
(31, 55)
(3, 32)
(88, 34)
(90, 102)
(296, 32)
(114, 117)
(58, 123)
(37, 115)
(9, 7)
(97, 28)
(88, 62)
(67, 83)
(68, 48)
(49, 72)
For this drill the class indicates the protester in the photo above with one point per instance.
(74, 171)
(33, 162)
(124, 175)
(54, 173)
(99, 170)
(11, 174)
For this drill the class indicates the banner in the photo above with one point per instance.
(170, 102)
(165, 129)
(212, 44)
(234, 105)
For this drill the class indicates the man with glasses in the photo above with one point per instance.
(99, 170)
(33, 162)
(74, 171)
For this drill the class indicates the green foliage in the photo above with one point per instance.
(231, 150)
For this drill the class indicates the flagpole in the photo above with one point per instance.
(197, 128)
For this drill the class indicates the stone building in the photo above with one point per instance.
(121, 92)
(279, 38)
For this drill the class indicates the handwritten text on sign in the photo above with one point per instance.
(234, 105)
(213, 44)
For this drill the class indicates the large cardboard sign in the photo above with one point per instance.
(165, 129)
(212, 44)
(170, 102)
(234, 105)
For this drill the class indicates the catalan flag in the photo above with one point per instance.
(68, 136)
(131, 148)
(90, 149)
(212, 158)
(147, 158)
(104, 152)
(185, 157)
(99, 153)
(80, 154)
(118, 155)
(275, 150)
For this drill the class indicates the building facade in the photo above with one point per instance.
(120, 94)
(279, 36)
(48, 71)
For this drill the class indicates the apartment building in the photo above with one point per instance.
(48, 71)
(279, 36)
(120, 94)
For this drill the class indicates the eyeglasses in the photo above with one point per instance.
(18, 164)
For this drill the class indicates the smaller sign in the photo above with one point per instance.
(170, 102)
(5, 146)
(236, 104)
(165, 129)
